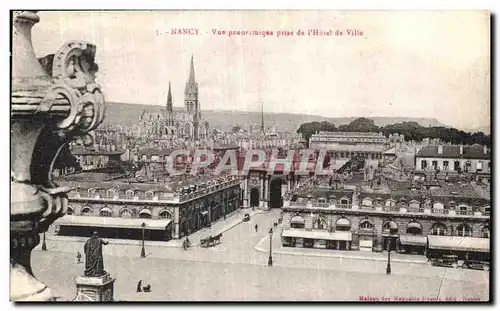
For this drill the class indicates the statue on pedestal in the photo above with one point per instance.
(94, 263)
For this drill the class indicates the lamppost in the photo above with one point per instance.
(270, 261)
(143, 251)
(388, 270)
(44, 245)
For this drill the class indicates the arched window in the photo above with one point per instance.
(105, 212)
(390, 203)
(145, 213)
(344, 201)
(126, 213)
(321, 200)
(343, 224)
(297, 222)
(320, 223)
(165, 215)
(464, 230)
(414, 228)
(70, 211)
(91, 192)
(366, 225)
(438, 229)
(485, 233)
(390, 227)
(86, 211)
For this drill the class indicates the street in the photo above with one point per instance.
(234, 270)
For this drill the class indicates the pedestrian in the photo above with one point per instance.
(79, 257)
(139, 286)
(256, 228)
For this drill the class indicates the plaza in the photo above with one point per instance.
(237, 269)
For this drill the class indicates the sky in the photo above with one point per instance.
(433, 64)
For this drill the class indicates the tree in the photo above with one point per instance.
(307, 129)
(236, 129)
(360, 125)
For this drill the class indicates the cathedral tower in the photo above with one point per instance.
(191, 92)
(170, 112)
(191, 100)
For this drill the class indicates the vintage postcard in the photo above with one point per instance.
(250, 156)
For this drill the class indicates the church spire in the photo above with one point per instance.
(169, 99)
(191, 91)
(191, 72)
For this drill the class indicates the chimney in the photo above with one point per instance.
(96, 147)
(113, 147)
(440, 149)
(461, 150)
(485, 149)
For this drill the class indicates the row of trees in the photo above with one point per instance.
(411, 131)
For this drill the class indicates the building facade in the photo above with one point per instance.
(168, 211)
(367, 219)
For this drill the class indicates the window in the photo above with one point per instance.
(70, 211)
(105, 212)
(485, 233)
(438, 229)
(464, 230)
(456, 166)
(463, 209)
(366, 225)
(86, 211)
(445, 165)
(434, 165)
(424, 164)
(164, 215)
(487, 211)
(125, 213)
(479, 166)
(390, 227)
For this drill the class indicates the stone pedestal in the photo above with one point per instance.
(98, 289)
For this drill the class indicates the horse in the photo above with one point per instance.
(216, 239)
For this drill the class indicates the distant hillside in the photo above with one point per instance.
(128, 114)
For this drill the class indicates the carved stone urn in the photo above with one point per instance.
(53, 101)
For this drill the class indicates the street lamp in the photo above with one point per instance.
(388, 269)
(270, 261)
(143, 251)
(44, 245)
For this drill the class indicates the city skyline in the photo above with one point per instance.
(400, 67)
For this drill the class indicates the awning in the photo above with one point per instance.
(112, 222)
(409, 239)
(414, 225)
(458, 243)
(106, 209)
(318, 235)
(343, 222)
(145, 211)
(297, 219)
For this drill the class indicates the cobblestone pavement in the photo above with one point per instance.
(233, 270)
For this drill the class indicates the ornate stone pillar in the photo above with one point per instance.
(262, 191)
(53, 101)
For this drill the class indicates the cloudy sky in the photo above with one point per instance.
(406, 64)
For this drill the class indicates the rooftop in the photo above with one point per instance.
(469, 152)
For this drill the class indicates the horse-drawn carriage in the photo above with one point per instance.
(211, 240)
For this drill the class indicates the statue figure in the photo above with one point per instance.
(94, 264)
